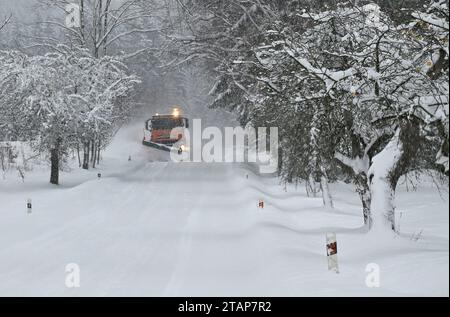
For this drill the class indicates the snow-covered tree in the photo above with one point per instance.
(347, 85)
(431, 30)
(61, 99)
(372, 70)
(220, 34)
(103, 24)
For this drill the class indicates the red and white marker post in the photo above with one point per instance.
(332, 251)
(261, 204)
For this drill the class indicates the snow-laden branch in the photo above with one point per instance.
(329, 77)
(358, 165)
(432, 20)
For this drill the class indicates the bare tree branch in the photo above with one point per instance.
(4, 23)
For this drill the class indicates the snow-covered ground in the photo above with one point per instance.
(150, 227)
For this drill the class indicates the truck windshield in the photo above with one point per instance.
(167, 123)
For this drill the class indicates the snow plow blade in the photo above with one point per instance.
(157, 146)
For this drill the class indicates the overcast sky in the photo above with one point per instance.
(19, 8)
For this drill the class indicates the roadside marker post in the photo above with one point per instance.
(332, 252)
(261, 204)
(29, 206)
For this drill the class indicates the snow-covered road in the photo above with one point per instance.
(151, 227)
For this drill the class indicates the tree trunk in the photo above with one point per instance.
(105, 27)
(82, 21)
(92, 151)
(326, 194)
(94, 157)
(382, 188)
(363, 189)
(311, 187)
(78, 155)
(54, 158)
(86, 156)
(98, 152)
(94, 154)
(383, 204)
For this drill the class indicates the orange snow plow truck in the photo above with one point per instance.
(158, 130)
